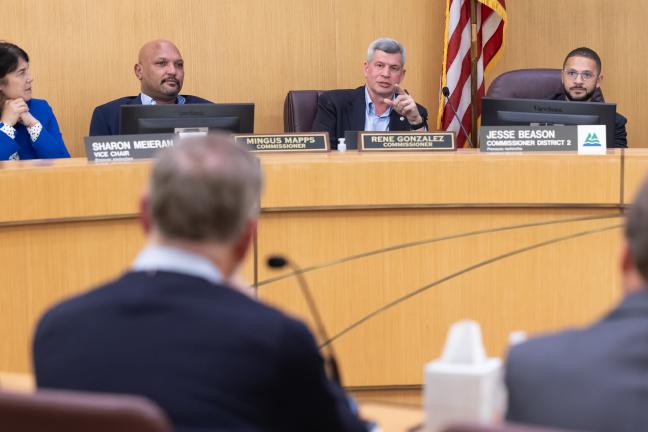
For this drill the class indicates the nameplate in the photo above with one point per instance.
(585, 139)
(406, 141)
(288, 142)
(119, 148)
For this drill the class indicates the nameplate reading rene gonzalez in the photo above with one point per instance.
(406, 141)
(288, 142)
(119, 148)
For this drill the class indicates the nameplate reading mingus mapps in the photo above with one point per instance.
(406, 141)
(288, 142)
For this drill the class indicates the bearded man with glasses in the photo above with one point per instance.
(581, 80)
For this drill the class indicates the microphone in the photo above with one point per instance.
(330, 361)
(446, 94)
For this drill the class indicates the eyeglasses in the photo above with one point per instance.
(586, 75)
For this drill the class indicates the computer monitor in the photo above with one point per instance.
(143, 119)
(541, 112)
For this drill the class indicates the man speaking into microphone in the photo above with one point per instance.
(176, 330)
(379, 105)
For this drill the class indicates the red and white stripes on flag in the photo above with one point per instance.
(491, 19)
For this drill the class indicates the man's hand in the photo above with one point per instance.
(13, 110)
(405, 105)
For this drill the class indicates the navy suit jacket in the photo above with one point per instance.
(211, 357)
(592, 379)
(105, 118)
(339, 111)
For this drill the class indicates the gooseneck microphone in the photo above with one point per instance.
(446, 94)
(330, 361)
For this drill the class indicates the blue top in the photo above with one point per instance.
(48, 145)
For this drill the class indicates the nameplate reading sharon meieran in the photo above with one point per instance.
(287, 142)
(117, 148)
(406, 141)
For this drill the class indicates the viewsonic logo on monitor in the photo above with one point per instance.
(541, 108)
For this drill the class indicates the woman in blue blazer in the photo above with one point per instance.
(28, 128)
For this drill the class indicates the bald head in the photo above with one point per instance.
(160, 69)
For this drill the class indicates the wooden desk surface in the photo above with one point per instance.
(67, 225)
(392, 417)
(68, 189)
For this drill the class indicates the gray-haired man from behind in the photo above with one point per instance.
(594, 378)
(173, 329)
(379, 105)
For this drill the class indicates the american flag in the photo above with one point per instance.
(491, 20)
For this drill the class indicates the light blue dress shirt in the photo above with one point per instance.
(167, 258)
(148, 100)
(374, 122)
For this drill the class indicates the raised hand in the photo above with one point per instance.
(405, 105)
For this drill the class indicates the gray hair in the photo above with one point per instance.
(205, 189)
(388, 45)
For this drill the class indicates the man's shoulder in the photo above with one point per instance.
(343, 95)
(620, 119)
(142, 291)
(190, 99)
(75, 307)
(116, 103)
(566, 351)
(542, 348)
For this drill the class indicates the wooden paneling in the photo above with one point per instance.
(635, 173)
(466, 176)
(83, 51)
(520, 255)
(560, 284)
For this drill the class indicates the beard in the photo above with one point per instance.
(584, 98)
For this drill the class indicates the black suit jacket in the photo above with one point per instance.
(105, 118)
(592, 379)
(339, 111)
(212, 358)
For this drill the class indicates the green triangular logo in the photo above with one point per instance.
(592, 140)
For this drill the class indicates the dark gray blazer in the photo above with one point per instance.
(591, 379)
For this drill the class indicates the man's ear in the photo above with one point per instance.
(598, 81)
(242, 245)
(144, 213)
(625, 260)
(138, 71)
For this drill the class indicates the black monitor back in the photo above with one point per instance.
(142, 119)
(540, 112)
